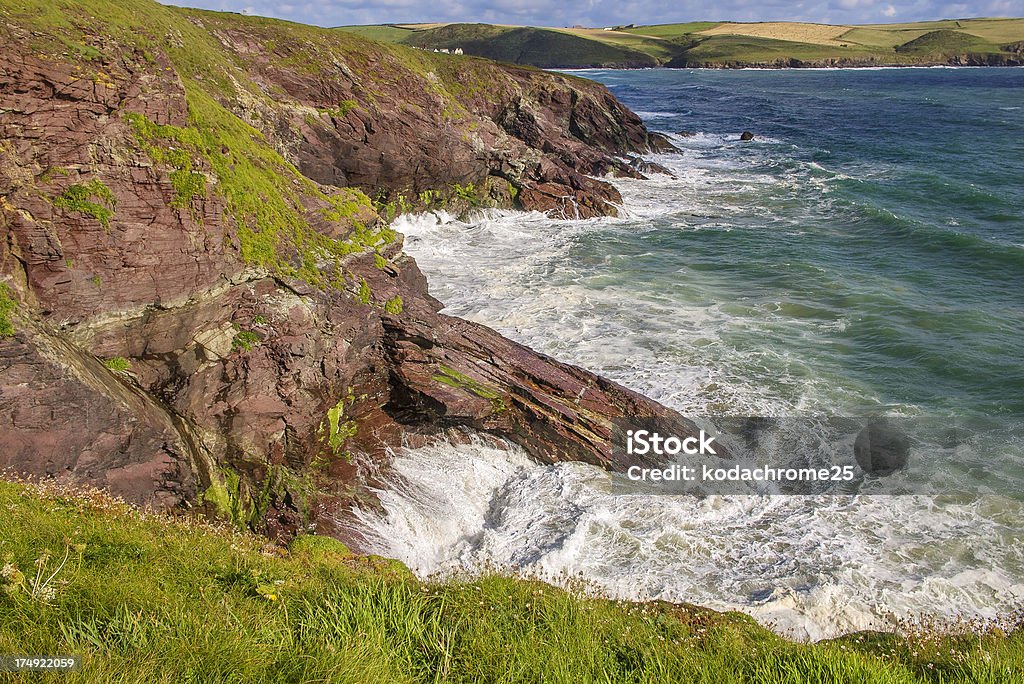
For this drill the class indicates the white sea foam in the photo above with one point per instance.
(810, 567)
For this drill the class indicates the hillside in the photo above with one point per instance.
(535, 47)
(142, 598)
(203, 306)
(727, 44)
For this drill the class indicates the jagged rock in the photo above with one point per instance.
(270, 378)
(412, 139)
(746, 135)
(661, 144)
(648, 167)
(64, 416)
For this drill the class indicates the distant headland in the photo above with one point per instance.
(724, 45)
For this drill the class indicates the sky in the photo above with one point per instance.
(597, 13)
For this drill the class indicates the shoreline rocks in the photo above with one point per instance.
(256, 353)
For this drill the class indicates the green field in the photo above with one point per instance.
(963, 41)
(671, 30)
(748, 50)
(655, 47)
(536, 46)
(384, 33)
(993, 30)
(144, 598)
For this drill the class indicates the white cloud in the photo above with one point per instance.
(889, 11)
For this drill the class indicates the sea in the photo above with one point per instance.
(863, 255)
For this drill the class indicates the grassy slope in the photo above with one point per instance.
(744, 43)
(533, 46)
(671, 30)
(655, 47)
(755, 50)
(1005, 30)
(146, 599)
(384, 33)
(941, 40)
(265, 194)
(269, 199)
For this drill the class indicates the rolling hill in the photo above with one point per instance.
(976, 42)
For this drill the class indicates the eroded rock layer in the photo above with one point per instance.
(205, 305)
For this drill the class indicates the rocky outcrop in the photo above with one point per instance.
(210, 313)
(397, 123)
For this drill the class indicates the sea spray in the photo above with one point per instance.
(845, 262)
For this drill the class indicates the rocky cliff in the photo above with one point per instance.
(203, 305)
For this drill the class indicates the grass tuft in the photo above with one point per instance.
(80, 197)
(7, 307)
(118, 364)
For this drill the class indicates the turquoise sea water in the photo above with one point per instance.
(875, 230)
(864, 255)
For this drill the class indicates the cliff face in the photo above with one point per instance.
(207, 309)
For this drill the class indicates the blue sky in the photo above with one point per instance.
(595, 13)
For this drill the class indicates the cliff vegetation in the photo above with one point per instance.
(143, 598)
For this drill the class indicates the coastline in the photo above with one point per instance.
(203, 313)
(713, 209)
(792, 68)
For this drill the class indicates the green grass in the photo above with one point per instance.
(999, 31)
(7, 307)
(738, 50)
(943, 42)
(655, 47)
(93, 198)
(142, 598)
(672, 30)
(381, 32)
(118, 364)
(880, 38)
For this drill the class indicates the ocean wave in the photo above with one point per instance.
(810, 568)
(763, 280)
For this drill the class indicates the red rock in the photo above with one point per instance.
(166, 287)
